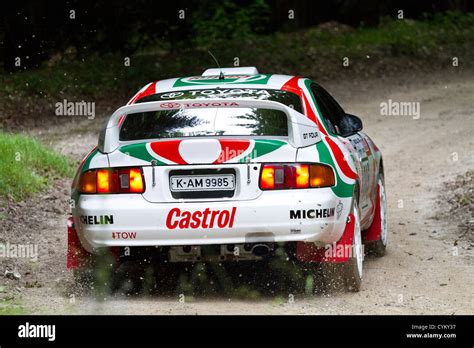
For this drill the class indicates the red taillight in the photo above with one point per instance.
(126, 180)
(267, 178)
(295, 176)
(106, 181)
(135, 180)
(302, 176)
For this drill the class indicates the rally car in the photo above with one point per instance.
(234, 161)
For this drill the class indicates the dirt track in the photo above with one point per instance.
(426, 269)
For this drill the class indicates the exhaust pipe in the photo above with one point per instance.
(260, 249)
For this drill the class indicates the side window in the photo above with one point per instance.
(325, 110)
(333, 111)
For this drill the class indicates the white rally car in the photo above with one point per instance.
(236, 161)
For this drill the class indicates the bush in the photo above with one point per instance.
(227, 20)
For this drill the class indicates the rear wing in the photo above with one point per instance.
(301, 130)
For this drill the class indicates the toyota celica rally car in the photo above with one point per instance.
(236, 161)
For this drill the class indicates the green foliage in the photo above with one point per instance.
(11, 307)
(311, 52)
(26, 166)
(226, 20)
(86, 77)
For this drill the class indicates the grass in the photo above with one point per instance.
(27, 166)
(11, 307)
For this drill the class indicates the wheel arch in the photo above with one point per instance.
(356, 194)
(381, 168)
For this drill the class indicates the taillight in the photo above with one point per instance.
(267, 178)
(295, 176)
(135, 181)
(88, 182)
(321, 176)
(105, 181)
(120, 180)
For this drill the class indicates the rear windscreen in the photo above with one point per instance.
(204, 122)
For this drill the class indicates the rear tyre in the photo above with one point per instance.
(379, 247)
(349, 274)
(353, 268)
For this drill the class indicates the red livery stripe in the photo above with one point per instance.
(341, 162)
(169, 150)
(292, 86)
(231, 149)
(151, 89)
(312, 116)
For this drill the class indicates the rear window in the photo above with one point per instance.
(204, 122)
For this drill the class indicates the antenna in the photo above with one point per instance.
(221, 75)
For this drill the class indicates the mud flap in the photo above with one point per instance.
(333, 253)
(77, 256)
(372, 234)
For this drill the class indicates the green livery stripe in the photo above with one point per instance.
(139, 151)
(203, 81)
(87, 161)
(262, 147)
(342, 189)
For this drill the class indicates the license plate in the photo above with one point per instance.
(220, 182)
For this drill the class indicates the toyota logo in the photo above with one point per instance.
(171, 95)
(170, 105)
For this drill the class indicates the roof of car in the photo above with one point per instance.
(232, 81)
(270, 81)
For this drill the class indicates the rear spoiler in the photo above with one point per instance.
(302, 131)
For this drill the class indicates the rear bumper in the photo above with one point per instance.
(314, 215)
